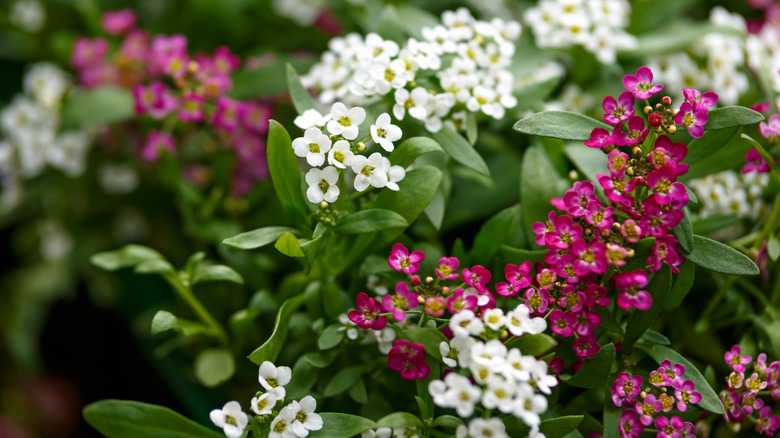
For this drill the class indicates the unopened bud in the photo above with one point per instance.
(193, 66)
(588, 231)
(631, 252)
(639, 181)
(630, 171)
(428, 280)
(615, 227)
(361, 146)
(659, 107)
(654, 120)
(675, 111)
(445, 290)
(642, 394)
(648, 109)
(671, 129)
(573, 175)
(323, 205)
(666, 100)
(420, 299)
(415, 280)
(504, 333)
(334, 138)
(636, 151)
(658, 129)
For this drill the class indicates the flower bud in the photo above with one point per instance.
(420, 299)
(445, 291)
(642, 394)
(636, 151)
(428, 280)
(654, 120)
(659, 107)
(415, 280)
(666, 101)
(630, 252)
(671, 129)
(658, 129)
(648, 109)
(323, 205)
(573, 175)
(630, 171)
(361, 146)
(616, 227)
(639, 181)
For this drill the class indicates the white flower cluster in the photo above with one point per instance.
(463, 61)
(763, 54)
(730, 192)
(28, 15)
(294, 420)
(30, 125)
(597, 25)
(505, 379)
(303, 12)
(724, 56)
(343, 125)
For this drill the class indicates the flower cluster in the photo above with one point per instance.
(465, 59)
(597, 25)
(741, 396)
(646, 405)
(344, 151)
(31, 126)
(294, 420)
(170, 84)
(730, 192)
(763, 51)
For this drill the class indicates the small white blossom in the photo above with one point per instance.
(543, 380)
(273, 378)
(346, 121)
(264, 404)
(487, 428)
(528, 405)
(341, 155)
(465, 323)
(385, 133)
(313, 146)
(323, 185)
(494, 319)
(369, 171)
(461, 394)
(28, 15)
(281, 426)
(230, 418)
(117, 178)
(311, 118)
(305, 418)
(348, 326)
(414, 102)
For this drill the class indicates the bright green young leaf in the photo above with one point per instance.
(193, 262)
(270, 349)
(101, 105)
(708, 143)
(561, 426)
(288, 245)
(206, 272)
(410, 149)
(337, 425)
(718, 257)
(471, 127)
(127, 256)
(682, 285)
(494, 233)
(640, 321)
(331, 336)
(342, 380)
(684, 233)
(538, 184)
(300, 97)
(164, 321)
(285, 175)
(161, 267)
(709, 398)
(371, 221)
(430, 338)
(257, 238)
(422, 404)
(731, 116)
(214, 366)
(559, 124)
(130, 419)
(400, 419)
(460, 150)
(534, 345)
(595, 371)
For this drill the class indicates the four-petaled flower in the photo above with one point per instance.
(401, 260)
(641, 84)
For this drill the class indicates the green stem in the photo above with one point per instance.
(769, 225)
(185, 292)
(703, 322)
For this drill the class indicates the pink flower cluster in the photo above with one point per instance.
(169, 83)
(741, 397)
(770, 130)
(646, 405)
(408, 358)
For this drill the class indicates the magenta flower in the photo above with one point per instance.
(691, 119)
(435, 306)
(542, 228)
(562, 323)
(630, 427)
(155, 100)
(767, 423)
(647, 409)
(586, 346)
(667, 152)
(191, 107)
(665, 250)
(519, 276)
(598, 216)
(537, 300)
(459, 301)
(399, 302)
(641, 84)
(408, 358)
(755, 162)
(731, 403)
(578, 197)
(671, 428)
(596, 295)
(600, 138)
(401, 260)
(590, 258)
(658, 220)
(215, 86)
(685, 394)
(175, 66)
(620, 110)
(255, 116)
(665, 189)
(566, 231)
(156, 142)
(616, 187)
(164, 46)
(632, 293)
(477, 277)
(631, 231)
(135, 46)
(224, 61)
(571, 298)
(700, 101)
(367, 313)
(565, 268)
(636, 132)
(88, 53)
(616, 161)
(118, 22)
(735, 360)
(750, 403)
(447, 267)
(226, 114)
(771, 130)
(586, 322)
(616, 254)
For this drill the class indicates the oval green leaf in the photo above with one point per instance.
(130, 419)
(301, 98)
(214, 366)
(561, 426)
(559, 124)
(371, 221)
(257, 238)
(164, 321)
(127, 256)
(271, 348)
(331, 336)
(337, 425)
(684, 233)
(534, 345)
(460, 150)
(400, 419)
(285, 175)
(595, 371)
(102, 105)
(206, 272)
(342, 380)
(731, 116)
(410, 149)
(718, 257)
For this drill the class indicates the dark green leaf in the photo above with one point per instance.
(337, 425)
(447, 421)
(682, 285)
(731, 116)
(400, 419)
(641, 320)
(471, 127)
(343, 380)
(538, 184)
(430, 338)
(709, 399)
(371, 221)
(304, 376)
(410, 149)
(517, 256)
(561, 426)
(164, 321)
(300, 97)
(718, 160)
(642, 250)
(130, 419)
(358, 392)
(612, 420)
(285, 175)
(460, 150)
(718, 257)
(534, 345)
(684, 233)
(494, 233)
(589, 161)
(102, 105)
(708, 143)
(331, 300)
(288, 245)
(559, 124)
(207, 272)
(321, 359)
(595, 371)
(331, 336)
(127, 256)
(257, 238)
(214, 366)
(270, 349)
(655, 338)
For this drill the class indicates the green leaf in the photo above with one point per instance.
(429, 337)
(611, 419)
(655, 338)
(561, 426)
(358, 392)
(410, 149)
(709, 398)
(559, 124)
(321, 359)
(589, 161)
(390, 24)
(449, 421)
(400, 419)
(773, 248)
(337, 425)
(595, 371)
(343, 380)
(676, 37)
(214, 366)
(304, 376)
(719, 159)
(270, 349)
(471, 127)
(682, 285)
(718, 257)
(130, 419)
(517, 256)
(731, 116)
(331, 336)
(257, 238)
(413, 19)
(371, 221)
(642, 250)
(102, 105)
(684, 233)
(269, 78)
(285, 175)
(127, 256)
(494, 232)
(538, 184)
(288, 245)
(154, 267)
(301, 98)
(460, 150)
(206, 272)
(164, 321)
(708, 143)
(193, 262)
(641, 320)
(534, 345)
(435, 209)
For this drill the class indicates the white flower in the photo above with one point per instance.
(369, 171)
(414, 102)
(518, 367)
(346, 121)
(394, 174)
(29, 15)
(305, 418)
(499, 394)
(384, 339)
(461, 394)
(446, 357)
(117, 178)
(273, 378)
(323, 185)
(47, 83)
(462, 346)
(520, 322)
(406, 432)
(281, 427)
(341, 155)
(528, 405)
(68, 152)
(385, 133)
(349, 326)
(230, 418)
(382, 432)
(264, 404)
(313, 146)
(388, 76)
(494, 319)
(543, 380)
(465, 323)
(487, 428)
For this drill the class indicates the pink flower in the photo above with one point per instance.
(666, 152)
(658, 220)
(590, 258)
(537, 300)
(700, 102)
(571, 299)
(750, 403)
(586, 322)
(226, 114)
(255, 116)
(562, 323)
(755, 162)
(596, 295)
(216, 85)
(691, 119)
(648, 408)
(458, 301)
(118, 22)
(616, 161)
(598, 216)
(586, 346)
(435, 306)
(401, 260)
(616, 187)
(565, 268)
(636, 132)
(665, 250)
(641, 84)
(191, 109)
(578, 197)
(671, 429)
(87, 53)
(629, 425)
(367, 313)
(619, 111)
(631, 231)
(477, 277)
(685, 394)
(767, 423)
(408, 358)
(400, 302)
(175, 66)
(565, 232)
(225, 62)
(735, 360)
(542, 228)
(665, 189)
(631, 285)
(600, 138)
(616, 254)
(447, 267)
(731, 403)
(156, 142)
(155, 100)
